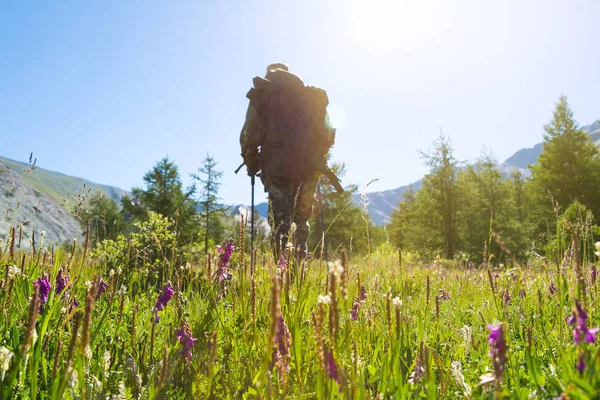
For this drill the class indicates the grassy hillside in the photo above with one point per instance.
(56, 185)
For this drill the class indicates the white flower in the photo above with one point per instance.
(289, 245)
(293, 228)
(88, 285)
(13, 271)
(5, 356)
(88, 352)
(324, 299)
(119, 270)
(336, 268)
(397, 302)
(598, 249)
(111, 273)
(106, 360)
(73, 379)
(459, 378)
(43, 233)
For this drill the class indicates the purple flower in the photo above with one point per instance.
(163, 299)
(62, 281)
(593, 272)
(498, 348)
(184, 335)
(553, 288)
(362, 293)
(332, 368)
(505, 297)
(282, 341)
(354, 312)
(580, 329)
(44, 287)
(225, 250)
(102, 286)
(444, 295)
(522, 293)
(358, 302)
(581, 365)
(73, 304)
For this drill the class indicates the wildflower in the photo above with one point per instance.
(324, 299)
(332, 368)
(336, 268)
(88, 285)
(597, 252)
(106, 360)
(522, 293)
(553, 288)
(362, 293)
(581, 365)
(397, 302)
(444, 295)
(580, 330)
(13, 271)
(163, 299)
(354, 312)
(102, 286)
(5, 357)
(62, 281)
(505, 297)
(282, 263)
(593, 272)
(184, 335)
(282, 341)
(43, 286)
(498, 349)
(225, 250)
(358, 302)
(459, 378)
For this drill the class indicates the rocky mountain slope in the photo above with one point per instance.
(33, 198)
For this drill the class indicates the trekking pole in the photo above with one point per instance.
(252, 178)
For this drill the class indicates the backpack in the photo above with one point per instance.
(297, 137)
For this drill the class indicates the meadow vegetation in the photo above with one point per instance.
(484, 289)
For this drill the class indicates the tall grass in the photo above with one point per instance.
(124, 326)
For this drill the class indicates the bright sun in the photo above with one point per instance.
(381, 27)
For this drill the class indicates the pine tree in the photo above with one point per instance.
(441, 186)
(211, 213)
(165, 195)
(568, 168)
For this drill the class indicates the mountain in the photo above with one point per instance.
(33, 197)
(381, 204)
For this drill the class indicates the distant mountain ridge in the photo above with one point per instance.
(383, 203)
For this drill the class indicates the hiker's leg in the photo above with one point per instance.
(304, 208)
(281, 203)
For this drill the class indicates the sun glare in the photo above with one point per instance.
(381, 27)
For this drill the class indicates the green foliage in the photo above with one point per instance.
(150, 248)
(486, 215)
(567, 170)
(164, 194)
(104, 217)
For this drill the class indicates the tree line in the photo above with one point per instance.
(478, 213)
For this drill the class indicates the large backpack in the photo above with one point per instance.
(297, 136)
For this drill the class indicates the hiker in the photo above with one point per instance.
(286, 138)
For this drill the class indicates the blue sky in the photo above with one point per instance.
(103, 90)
